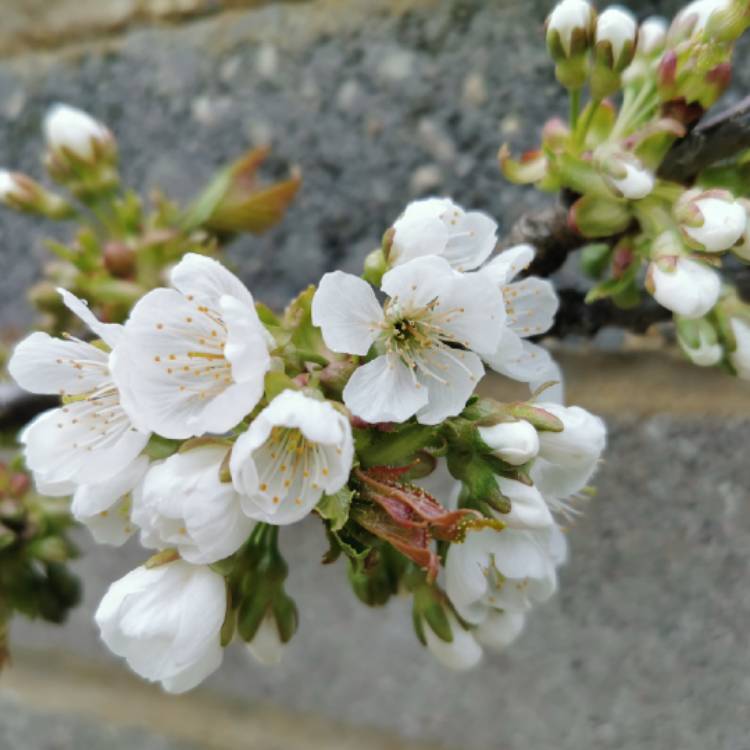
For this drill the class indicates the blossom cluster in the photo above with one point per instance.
(206, 422)
(646, 230)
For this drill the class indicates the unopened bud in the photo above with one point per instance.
(652, 36)
(72, 132)
(593, 216)
(614, 48)
(267, 646)
(685, 286)
(711, 221)
(119, 258)
(626, 176)
(720, 20)
(515, 443)
(20, 192)
(570, 31)
(699, 341)
(740, 356)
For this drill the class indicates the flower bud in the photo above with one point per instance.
(719, 20)
(652, 36)
(515, 443)
(685, 286)
(73, 132)
(626, 176)
(740, 357)
(175, 611)
(460, 652)
(20, 192)
(499, 629)
(570, 31)
(267, 647)
(699, 341)
(711, 221)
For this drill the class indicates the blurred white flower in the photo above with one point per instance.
(462, 652)
(166, 622)
(266, 645)
(296, 449)
(499, 629)
(193, 359)
(428, 337)
(570, 19)
(740, 357)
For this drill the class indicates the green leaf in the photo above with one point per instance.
(276, 382)
(335, 508)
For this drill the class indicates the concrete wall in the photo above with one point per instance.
(379, 101)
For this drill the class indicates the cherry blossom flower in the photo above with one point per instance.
(166, 622)
(296, 449)
(438, 226)
(684, 286)
(105, 507)
(193, 358)
(462, 652)
(428, 336)
(90, 438)
(184, 503)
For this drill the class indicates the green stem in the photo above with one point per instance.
(575, 108)
(586, 124)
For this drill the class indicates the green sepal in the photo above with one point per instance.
(159, 447)
(595, 258)
(277, 382)
(335, 508)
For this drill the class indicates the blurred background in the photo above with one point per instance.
(647, 644)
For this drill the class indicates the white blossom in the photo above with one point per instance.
(568, 18)
(437, 226)
(515, 443)
(507, 570)
(688, 287)
(183, 503)
(105, 507)
(462, 652)
(567, 460)
(499, 629)
(740, 357)
(428, 336)
(90, 438)
(166, 622)
(10, 187)
(296, 449)
(724, 224)
(266, 645)
(700, 344)
(76, 131)
(194, 358)
(531, 305)
(528, 507)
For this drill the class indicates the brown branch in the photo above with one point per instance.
(713, 140)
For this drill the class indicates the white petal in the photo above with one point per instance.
(508, 264)
(266, 645)
(384, 390)
(531, 305)
(191, 677)
(459, 372)
(528, 508)
(91, 499)
(246, 344)
(347, 312)
(208, 280)
(462, 653)
(73, 444)
(417, 283)
(109, 333)
(500, 629)
(42, 364)
(533, 363)
(420, 230)
(472, 242)
(474, 312)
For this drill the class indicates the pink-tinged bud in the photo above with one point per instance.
(667, 73)
(711, 221)
(555, 134)
(684, 286)
(531, 167)
(717, 19)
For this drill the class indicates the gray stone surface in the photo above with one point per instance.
(378, 101)
(21, 727)
(645, 648)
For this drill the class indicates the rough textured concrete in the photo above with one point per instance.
(646, 646)
(378, 101)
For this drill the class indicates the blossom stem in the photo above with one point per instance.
(575, 107)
